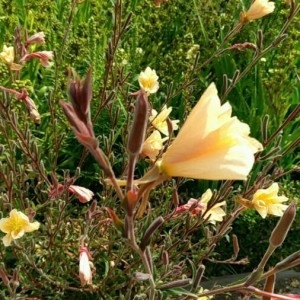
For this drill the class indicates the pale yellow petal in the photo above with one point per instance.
(7, 239)
(277, 209)
(5, 225)
(16, 234)
(32, 227)
(205, 198)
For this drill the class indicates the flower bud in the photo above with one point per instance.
(85, 272)
(150, 230)
(138, 129)
(283, 226)
(3, 276)
(176, 284)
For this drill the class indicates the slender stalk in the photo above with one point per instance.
(132, 239)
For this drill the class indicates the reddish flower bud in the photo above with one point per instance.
(138, 129)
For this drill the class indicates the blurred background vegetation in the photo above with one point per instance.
(177, 39)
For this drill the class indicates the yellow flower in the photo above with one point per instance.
(159, 121)
(7, 55)
(148, 81)
(202, 290)
(153, 145)
(257, 10)
(215, 213)
(211, 144)
(267, 201)
(15, 226)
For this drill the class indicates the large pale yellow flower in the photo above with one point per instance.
(148, 81)
(257, 10)
(267, 201)
(211, 144)
(159, 120)
(15, 226)
(153, 145)
(7, 55)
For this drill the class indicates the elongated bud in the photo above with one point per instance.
(3, 276)
(140, 120)
(288, 260)
(80, 91)
(150, 230)
(198, 277)
(175, 198)
(165, 258)
(175, 283)
(283, 226)
(235, 243)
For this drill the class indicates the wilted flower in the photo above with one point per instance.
(211, 144)
(37, 38)
(15, 226)
(7, 55)
(29, 103)
(43, 56)
(267, 201)
(153, 145)
(148, 81)
(85, 271)
(257, 10)
(84, 195)
(195, 207)
(159, 120)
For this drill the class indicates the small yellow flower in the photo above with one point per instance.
(159, 121)
(215, 213)
(257, 10)
(267, 201)
(148, 81)
(211, 144)
(7, 55)
(153, 145)
(15, 226)
(202, 290)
